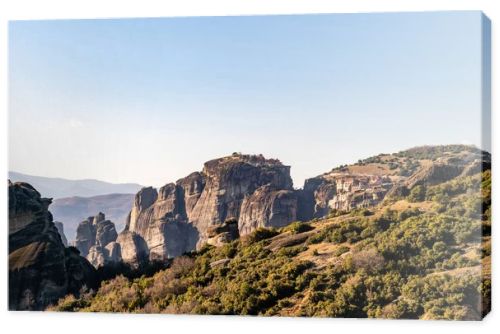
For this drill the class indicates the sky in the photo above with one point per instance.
(150, 100)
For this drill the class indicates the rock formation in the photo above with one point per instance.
(267, 207)
(434, 173)
(60, 229)
(133, 248)
(219, 235)
(180, 216)
(93, 236)
(342, 191)
(444, 169)
(346, 188)
(41, 269)
(229, 181)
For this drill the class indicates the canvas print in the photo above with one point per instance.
(333, 165)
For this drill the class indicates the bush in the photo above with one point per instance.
(261, 234)
(297, 227)
(417, 194)
(341, 250)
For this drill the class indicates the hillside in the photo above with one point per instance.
(59, 188)
(405, 235)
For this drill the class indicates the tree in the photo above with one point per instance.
(417, 194)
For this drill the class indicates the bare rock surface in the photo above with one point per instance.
(60, 229)
(133, 248)
(41, 268)
(219, 235)
(267, 207)
(93, 235)
(179, 217)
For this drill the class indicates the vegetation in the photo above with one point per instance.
(423, 261)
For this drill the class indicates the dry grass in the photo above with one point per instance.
(322, 254)
(372, 169)
(475, 270)
(404, 204)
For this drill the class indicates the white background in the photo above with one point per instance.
(97, 323)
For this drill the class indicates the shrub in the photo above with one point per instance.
(297, 227)
(417, 194)
(341, 250)
(261, 234)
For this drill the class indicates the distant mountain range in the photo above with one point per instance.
(60, 188)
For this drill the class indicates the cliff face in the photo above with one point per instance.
(267, 207)
(177, 218)
(232, 180)
(41, 269)
(342, 191)
(60, 229)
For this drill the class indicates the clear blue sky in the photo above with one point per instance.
(150, 100)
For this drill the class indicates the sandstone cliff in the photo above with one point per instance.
(41, 269)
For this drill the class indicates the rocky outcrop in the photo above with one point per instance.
(317, 193)
(159, 218)
(342, 191)
(92, 237)
(97, 256)
(219, 235)
(228, 181)
(41, 268)
(442, 170)
(105, 232)
(267, 207)
(179, 216)
(60, 229)
(113, 252)
(190, 188)
(133, 248)
(434, 173)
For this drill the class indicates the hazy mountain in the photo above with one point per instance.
(59, 188)
(72, 210)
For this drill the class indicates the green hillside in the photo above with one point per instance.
(424, 253)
